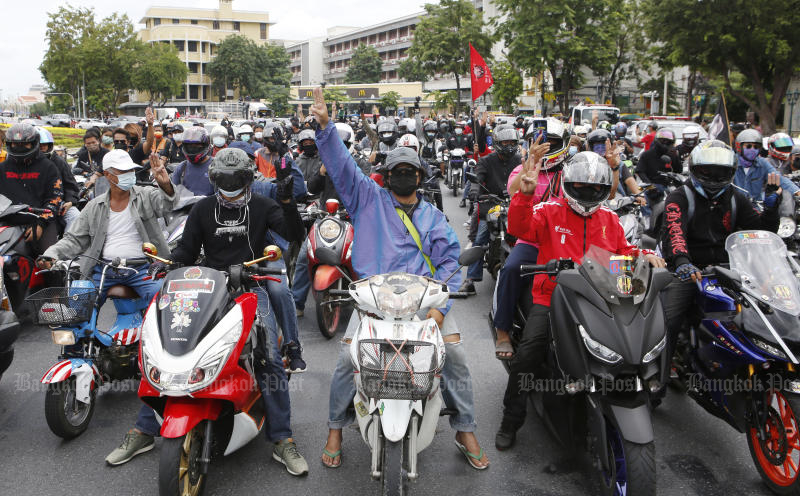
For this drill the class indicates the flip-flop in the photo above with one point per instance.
(503, 347)
(332, 455)
(472, 457)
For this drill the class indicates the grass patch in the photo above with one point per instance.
(63, 136)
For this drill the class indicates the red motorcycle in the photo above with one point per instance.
(197, 354)
(329, 245)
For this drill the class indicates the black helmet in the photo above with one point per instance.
(387, 132)
(504, 133)
(713, 165)
(231, 170)
(22, 141)
(196, 144)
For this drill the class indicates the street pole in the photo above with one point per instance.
(68, 94)
(791, 99)
(664, 102)
(83, 100)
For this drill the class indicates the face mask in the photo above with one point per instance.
(107, 140)
(573, 150)
(599, 148)
(245, 138)
(403, 185)
(258, 136)
(749, 155)
(178, 137)
(459, 131)
(310, 150)
(158, 134)
(126, 181)
(121, 146)
(430, 135)
(218, 141)
(231, 194)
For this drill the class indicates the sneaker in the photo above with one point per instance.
(286, 452)
(468, 286)
(298, 312)
(134, 444)
(295, 355)
(506, 436)
(462, 203)
(466, 224)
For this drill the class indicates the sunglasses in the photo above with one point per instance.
(748, 146)
(121, 142)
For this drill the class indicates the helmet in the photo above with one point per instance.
(597, 137)
(713, 165)
(604, 125)
(665, 138)
(403, 155)
(178, 128)
(691, 135)
(620, 129)
(591, 170)
(18, 137)
(409, 141)
(558, 137)
(306, 134)
(780, 146)
(46, 138)
(581, 130)
(241, 145)
(444, 126)
(245, 129)
(196, 144)
(429, 127)
(346, 134)
(748, 136)
(219, 136)
(387, 132)
(403, 126)
(231, 170)
(503, 133)
(652, 125)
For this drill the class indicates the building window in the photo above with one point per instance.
(192, 46)
(156, 21)
(194, 92)
(179, 45)
(346, 45)
(176, 21)
(194, 21)
(205, 92)
(236, 25)
(403, 32)
(182, 94)
(211, 49)
(193, 66)
(263, 30)
(382, 36)
(215, 25)
(331, 66)
(373, 38)
(392, 34)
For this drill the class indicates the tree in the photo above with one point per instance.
(365, 66)
(442, 99)
(767, 55)
(411, 71)
(657, 85)
(255, 70)
(334, 94)
(560, 37)
(40, 108)
(390, 100)
(442, 38)
(274, 77)
(507, 85)
(629, 56)
(159, 72)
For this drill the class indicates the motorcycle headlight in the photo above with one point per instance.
(652, 354)
(329, 230)
(787, 227)
(63, 338)
(767, 347)
(600, 351)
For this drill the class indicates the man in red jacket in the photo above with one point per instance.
(564, 227)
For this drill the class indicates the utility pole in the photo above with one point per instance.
(83, 84)
(664, 96)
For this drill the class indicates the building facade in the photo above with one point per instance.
(196, 34)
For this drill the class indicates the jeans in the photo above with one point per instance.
(467, 187)
(270, 376)
(510, 283)
(126, 277)
(302, 279)
(280, 297)
(475, 271)
(456, 382)
(528, 359)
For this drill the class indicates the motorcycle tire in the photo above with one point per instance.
(393, 474)
(774, 467)
(332, 319)
(454, 187)
(66, 416)
(636, 461)
(178, 467)
(290, 258)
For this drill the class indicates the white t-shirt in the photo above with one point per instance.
(122, 238)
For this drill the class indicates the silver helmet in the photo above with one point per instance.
(586, 182)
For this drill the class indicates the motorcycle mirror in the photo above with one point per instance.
(470, 255)
(149, 249)
(332, 206)
(327, 256)
(272, 253)
(666, 159)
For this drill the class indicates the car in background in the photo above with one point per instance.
(58, 120)
(582, 114)
(90, 123)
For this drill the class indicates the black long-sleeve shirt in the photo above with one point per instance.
(650, 165)
(69, 185)
(234, 236)
(37, 184)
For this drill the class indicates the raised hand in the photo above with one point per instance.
(148, 116)
(612, 155)
(319, 110)
(534, 163)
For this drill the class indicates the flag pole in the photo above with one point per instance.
(725, 109)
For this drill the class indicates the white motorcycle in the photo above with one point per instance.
(398, 359)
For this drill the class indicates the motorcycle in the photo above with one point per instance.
(430, 190)
(630, 216)
(197, 358)
(329, 245)
(397, 360)
(605, 357)
(455, 172)
(9, 325)
(175, 220)
(658, 202)
(89, 357)
(746, 335)
(500, 242)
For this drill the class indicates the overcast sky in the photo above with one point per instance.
(24, 25)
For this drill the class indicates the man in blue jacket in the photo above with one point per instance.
(753, 170)
(379, 229)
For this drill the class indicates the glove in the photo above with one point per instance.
(771, 196)
(685, 271)
(156, 269)
(282, 169)
(285, 189)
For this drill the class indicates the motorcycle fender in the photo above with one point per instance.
(325, 276)
(596, 423)
(427, 428)
(634, 424)
(182, 414)
(395, 417)
(84, 372)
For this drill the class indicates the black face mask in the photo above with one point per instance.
(309, 150)
(120, 146)
(402, 184)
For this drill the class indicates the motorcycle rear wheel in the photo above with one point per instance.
(332, 318)
(782, 445)
(393, 474)
(178, 468)
(633, 465)
(454, 185)
(290, 258)
(66, 416)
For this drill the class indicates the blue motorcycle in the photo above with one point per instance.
(739, 358)
(89, 356)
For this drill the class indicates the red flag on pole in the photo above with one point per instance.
(480, 74)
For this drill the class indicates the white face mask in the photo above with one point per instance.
(259, 135)
(178, 137)
(218, 141)
(459, 130)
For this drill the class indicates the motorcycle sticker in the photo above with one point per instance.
(163, 301)
(193, 273)
(191, 285)
(361, 409)
(624, 284)
(782, 291)
(179, 321)
(184, 305)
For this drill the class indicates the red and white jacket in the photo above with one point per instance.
(562, 233)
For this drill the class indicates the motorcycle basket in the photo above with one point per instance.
(62, 306)
(397, 370)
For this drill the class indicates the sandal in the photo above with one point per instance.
(472, 458)
(503, 350)
(332, 456)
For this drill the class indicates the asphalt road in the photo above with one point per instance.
(696, 454)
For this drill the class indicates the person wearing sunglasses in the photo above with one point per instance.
(754, 171)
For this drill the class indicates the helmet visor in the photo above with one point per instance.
(588, 194)
(231, 180)
(783, 144)
(713, 174)
(193, 148)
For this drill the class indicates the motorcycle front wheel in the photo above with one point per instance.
(633, 467)
(179, 466)
(332, 318)
(393, 474)
(777, 457)
(66, 416)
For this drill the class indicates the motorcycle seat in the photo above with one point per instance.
(120, 291)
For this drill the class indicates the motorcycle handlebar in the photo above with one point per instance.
(267, 271)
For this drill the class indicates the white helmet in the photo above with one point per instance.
(584, 130)
(346, 134)
(218, 136)
(558, 137)
(408, 141)
(245, 129)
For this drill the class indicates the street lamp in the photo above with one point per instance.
(791, 99)
(68, 94)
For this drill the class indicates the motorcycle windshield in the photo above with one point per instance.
(616, 276)
(762, 262)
